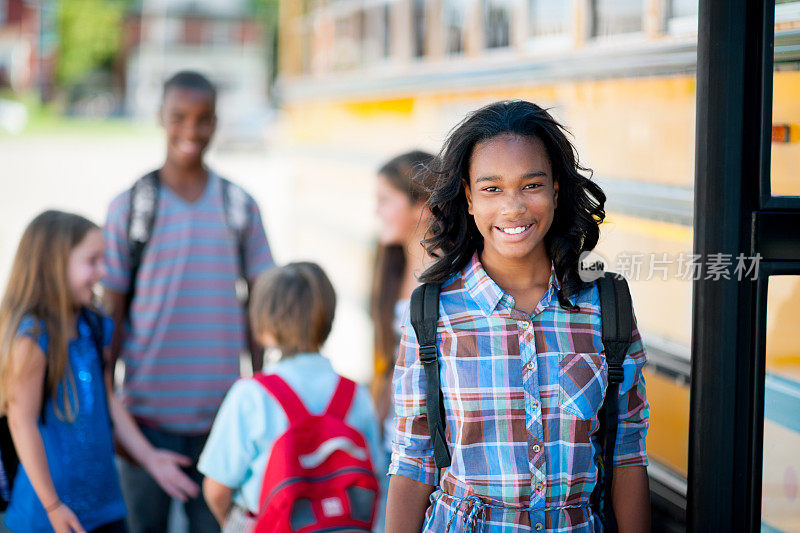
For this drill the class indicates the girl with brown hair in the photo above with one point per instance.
(402, 192)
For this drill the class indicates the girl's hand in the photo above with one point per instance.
(165, 467)
(64, 520)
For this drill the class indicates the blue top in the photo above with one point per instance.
(80, 454)
(250, 421)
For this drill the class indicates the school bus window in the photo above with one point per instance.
(306, 46)
(781, 463)
(375, 44)
(681, 16)
(453, 18)
(419, 27)
(497, 23)
(547, 18)
(348, 38)
(785, 150)
(321, 42)
(787, 11)
(614, 17)
(387, 30)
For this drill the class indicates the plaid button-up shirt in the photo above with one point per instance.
(521, 394)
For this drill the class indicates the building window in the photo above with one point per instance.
(164, 31)
(418, 27)
(220, 32)
(547, 18)
(453, 18)
(497, 23)
(614, 17)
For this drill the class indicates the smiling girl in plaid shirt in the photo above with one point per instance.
(523, 370)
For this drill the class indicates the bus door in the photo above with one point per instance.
(744, 465)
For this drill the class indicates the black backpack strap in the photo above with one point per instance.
(616, 317)
(97, 329)
(424, 317)
(237, 218)
(141, 220)
(9, 462)
(142, 216)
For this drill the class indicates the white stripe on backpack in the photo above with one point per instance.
(321, 454)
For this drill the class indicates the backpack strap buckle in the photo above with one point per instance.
(615, 373)
(424, 315)
(428, 354)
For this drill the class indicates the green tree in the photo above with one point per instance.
(266, 10)
(90, 33)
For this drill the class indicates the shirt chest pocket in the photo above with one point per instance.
(582, 381)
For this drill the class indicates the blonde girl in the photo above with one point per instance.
(56, 390)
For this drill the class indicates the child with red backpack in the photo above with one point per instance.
(295, 448)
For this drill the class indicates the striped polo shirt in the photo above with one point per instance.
(186, 327)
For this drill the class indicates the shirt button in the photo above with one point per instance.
(531, 365)
(539, 526)
(539, 486)
(534, 404)
(525, 324)
(536, 448)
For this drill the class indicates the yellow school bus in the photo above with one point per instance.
(362, 80)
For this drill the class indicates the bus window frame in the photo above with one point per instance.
(733, 213)
(726, 193)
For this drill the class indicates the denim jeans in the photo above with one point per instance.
(148, 505)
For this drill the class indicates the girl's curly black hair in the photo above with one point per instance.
(454, 238)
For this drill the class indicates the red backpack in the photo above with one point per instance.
(319, 476)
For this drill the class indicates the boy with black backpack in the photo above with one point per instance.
(181, 244)
(294, 448)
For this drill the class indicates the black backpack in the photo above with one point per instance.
(143, 204)
(142, 216)
(9, 461)
(616, 315)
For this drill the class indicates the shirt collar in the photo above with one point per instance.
(488, 294)
(305, 361)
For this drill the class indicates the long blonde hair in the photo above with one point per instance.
(38, 287)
